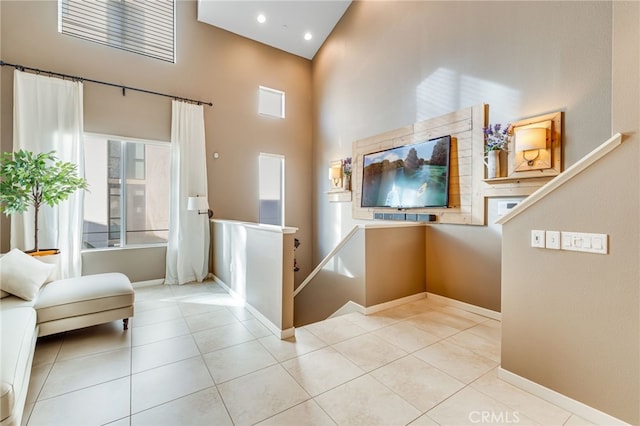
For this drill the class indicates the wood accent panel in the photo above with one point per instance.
(466, 190)
(510, 187)
(554, 150)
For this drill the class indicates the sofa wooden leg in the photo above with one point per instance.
(125, 323)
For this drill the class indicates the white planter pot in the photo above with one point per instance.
(492, 161)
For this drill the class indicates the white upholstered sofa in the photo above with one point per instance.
(31, 307)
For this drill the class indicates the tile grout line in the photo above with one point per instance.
(261, 340)
(131, 373)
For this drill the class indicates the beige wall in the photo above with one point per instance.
(571, 321)
(212, 65)
(255, 262)
(376, 265)
(340, 280)
(394, 263)
(138, 264)
(390, 64)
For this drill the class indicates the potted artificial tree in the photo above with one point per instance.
(30, 179)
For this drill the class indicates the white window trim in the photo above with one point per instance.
(282, 183)
(274, 91)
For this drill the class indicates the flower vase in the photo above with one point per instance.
(346, 182)
(492, 161)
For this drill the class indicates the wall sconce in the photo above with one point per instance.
(199, 204)
(537, 146)
(335, 174)
(530, 141)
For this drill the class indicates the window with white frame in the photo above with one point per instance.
(143, 27)
(128, 199)
(271, 189)
(270, 102)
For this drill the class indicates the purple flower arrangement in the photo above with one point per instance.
(496, 137)
(347, 166)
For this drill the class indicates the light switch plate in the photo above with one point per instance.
(585, 242)
(537, 238)
(552, 240)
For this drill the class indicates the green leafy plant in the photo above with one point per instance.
(30, 179)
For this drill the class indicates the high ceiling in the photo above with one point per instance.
(285, 22)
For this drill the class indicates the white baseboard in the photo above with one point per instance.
(466, 306)
(277, 331)
(221, 283)
(147, 283)
(351, 306)
(586, 412)
(393, 303)
(348, 308)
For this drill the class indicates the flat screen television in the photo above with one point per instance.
(409, 176)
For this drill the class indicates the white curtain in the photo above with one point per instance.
(47, 116)
(188, 246)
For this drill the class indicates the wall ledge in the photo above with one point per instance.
(563, 177)
(260, 226)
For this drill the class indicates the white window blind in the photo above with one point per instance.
(140, 26)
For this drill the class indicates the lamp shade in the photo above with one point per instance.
(197, 203)
(335, 172)
(532, 138)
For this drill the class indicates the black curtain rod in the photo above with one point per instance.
(124, 88)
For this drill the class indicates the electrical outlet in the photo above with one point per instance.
(537, 238)
(552, 240)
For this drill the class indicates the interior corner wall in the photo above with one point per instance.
(212, 65)
(389, 64)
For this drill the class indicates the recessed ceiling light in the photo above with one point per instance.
(308, 36)
(262, 19)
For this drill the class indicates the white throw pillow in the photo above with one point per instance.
(22, 275)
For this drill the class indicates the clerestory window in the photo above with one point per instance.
(144, 27)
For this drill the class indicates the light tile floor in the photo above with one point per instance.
(192, 356)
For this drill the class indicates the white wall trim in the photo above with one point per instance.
(348, 308)
(586, 412)
(147, 283)
(326, 260)
(575, 169)
(277, 331)
(259, 226)
(222, 284)
(466, 306)
(393, 303)
(351, 306)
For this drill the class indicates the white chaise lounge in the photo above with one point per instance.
(29, 309)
